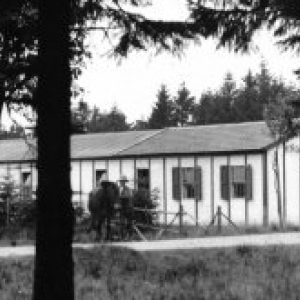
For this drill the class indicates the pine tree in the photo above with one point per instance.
(248, 106)
(205, 110)
(163, 111)
(184, 105)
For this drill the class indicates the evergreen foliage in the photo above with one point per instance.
(183, 106)
(163, 111)
(87, 120)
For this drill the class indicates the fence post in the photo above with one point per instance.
(219, 218)
(180, 217)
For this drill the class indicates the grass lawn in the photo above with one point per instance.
(114, 273)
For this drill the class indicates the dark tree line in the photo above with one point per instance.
(87, 120)
(250, 100)
(256, 96)
(231, 103)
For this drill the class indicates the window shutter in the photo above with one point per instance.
(249, 183)
(176, 183)
(198, 183)
(224, 182)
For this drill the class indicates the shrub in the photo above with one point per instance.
(147, 202)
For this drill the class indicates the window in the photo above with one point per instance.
(187, 183)
(99, 174)
(236, 182)
(26, 187)
(143, 179)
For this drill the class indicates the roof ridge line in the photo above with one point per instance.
(88, 134)
(141, 141)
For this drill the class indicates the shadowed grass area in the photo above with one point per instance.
(115, 273)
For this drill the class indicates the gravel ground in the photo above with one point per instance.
(292, 238)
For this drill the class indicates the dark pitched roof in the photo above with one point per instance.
(16, 150)
(220, 138)
(196, 139)
(82, 146)
(106, 144)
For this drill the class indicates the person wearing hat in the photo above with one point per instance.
(126, 201)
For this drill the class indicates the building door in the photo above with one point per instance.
(143, 177)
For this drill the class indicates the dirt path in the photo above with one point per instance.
(292, 238)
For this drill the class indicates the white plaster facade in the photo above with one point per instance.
(262, 209)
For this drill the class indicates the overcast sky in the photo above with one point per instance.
(133, 84)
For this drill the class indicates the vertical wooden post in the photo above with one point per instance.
(299, 178)
(120, 167)
(165, 203)
(196, 193)
(181, 212)
(284, 195)
(212, 187)
(20, 181)
(246, 193)
(219, 218)
(265, 189)
(107, 169)
(7, 199)
(149, 166)
(180, 195)
(93, 174)
(31, 181)
(80, 182)
(229, 186)
(134, 174)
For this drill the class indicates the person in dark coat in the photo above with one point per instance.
(126, 203)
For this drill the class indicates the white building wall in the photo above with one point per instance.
(127, 168)
(113, 167)
(14, 172)
(172, 205)
(255, 205)
(86, 181)
(34, 178)
(205, 204)
(157, 183)
(75, 181)
(3, 170)
(292, 166)
(218, 201)
(272, 195)
(142, 163)
(82, 176)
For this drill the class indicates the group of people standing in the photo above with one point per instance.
(112, 200)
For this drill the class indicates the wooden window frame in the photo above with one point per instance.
(186, 186)
(233, 187)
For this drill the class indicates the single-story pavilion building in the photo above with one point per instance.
(201, 167)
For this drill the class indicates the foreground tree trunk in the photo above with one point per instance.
(53, 275)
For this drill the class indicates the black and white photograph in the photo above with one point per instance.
(150, 149)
